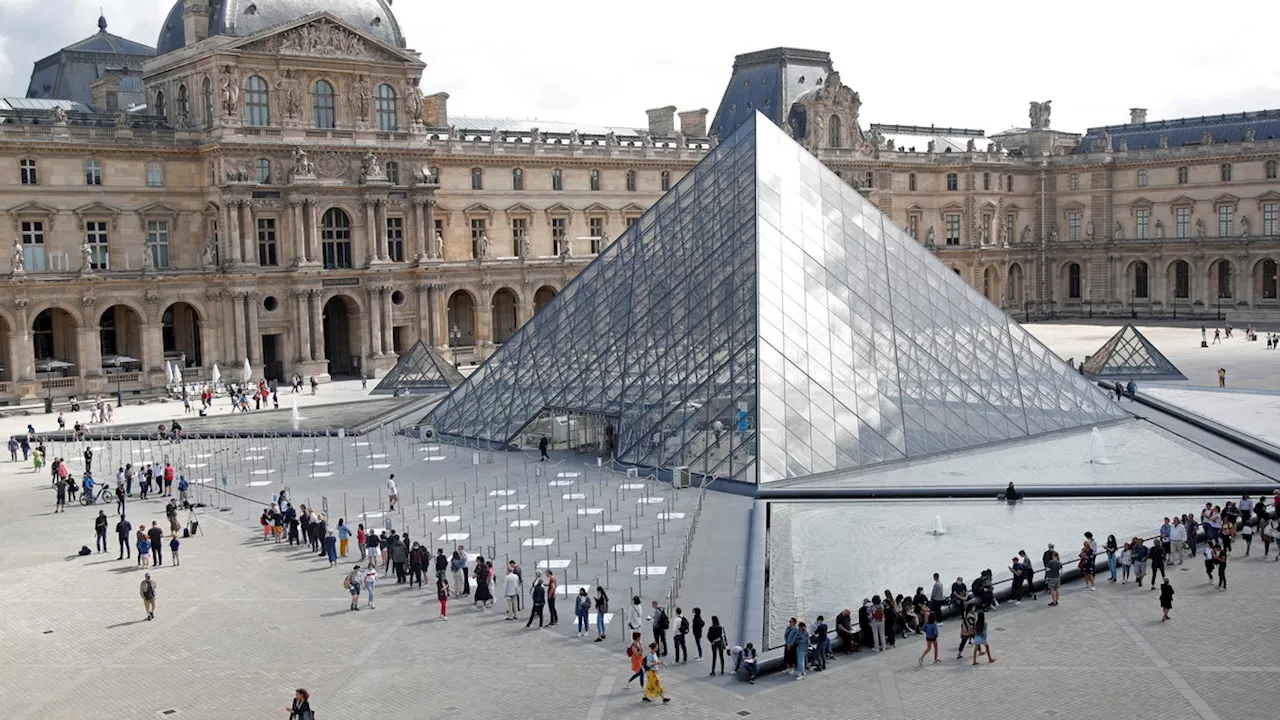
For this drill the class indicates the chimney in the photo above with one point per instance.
(1137, 116)
(435, 110)
(195, 20)
(693, 123)
(106, 92)
(662, 121)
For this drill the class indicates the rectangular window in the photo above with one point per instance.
(913, 226)
(1224, 172)
(630, 221)
(986, 181)
(477, 232)
(92, 172)
(267, 242)
(1226, 218)
(631, 181)
(517, 179)
(557, 180)
(953, 229)
(519, 226)
(1074, 181)
(1142, 178)
(1183, 175)
(1143, 225)
(155, 174)
(557, 236)
(477, 179)
(594, 180)
(986, 228)
(33, 254)
(27, 171)
(953, 182)
(1182, 222)
(1073, 226)
(95, 234)
(595, 228)
(439, 229)
(395, 239)
(1008, 227)
(1271, 219)
(666, 181)
(158, 242)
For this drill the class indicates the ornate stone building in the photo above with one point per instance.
(273, 185)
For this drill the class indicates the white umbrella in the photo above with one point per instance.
(216, 376)
(248, 371)
(168, 373)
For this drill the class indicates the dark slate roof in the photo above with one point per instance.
(66, 74)
(242, 18)
(768, 81)
(1188, 131)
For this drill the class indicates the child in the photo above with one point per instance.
(173, 551)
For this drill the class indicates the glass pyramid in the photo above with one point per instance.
(420, 370)
(763, 321)
(1129, 355)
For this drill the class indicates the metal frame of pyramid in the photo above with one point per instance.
(763, 321)
(420, 370)
(1129, 355)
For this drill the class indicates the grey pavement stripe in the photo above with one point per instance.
(893, 709)
(601, 699)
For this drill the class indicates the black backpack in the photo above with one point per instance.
(684, 626)
(661, 621)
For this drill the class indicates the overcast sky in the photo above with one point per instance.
(913, 62)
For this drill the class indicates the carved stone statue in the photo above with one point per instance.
(524, 245)
(568, 247)
(610, 139)
(875, 138)
(482, 246)
(1040, 115)
(361, 98)
(1119, 231)
(1053, 233)
(1124, 145)
(929, 236)
(983, 239)
(439, 243)
(18, 258)
(1103, 143)
(86, 257)
(1088, 231)
(991, 147)
(370, 168)
(323, 38)
(1244, 226)
(971, 146)
(230, 92)
(932, 147)
(816, 133)
(302, 166)
(1206, 138)
(416, 102)
(573, 137)
(148, 261)
(59, 115)
(210, 255)
(1249, 135)
(1159, 230)
(1163, 142)
(1026, 234)
(1199, 228)
(535, 137)
(292, 90)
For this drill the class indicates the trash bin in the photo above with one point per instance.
(48, 405)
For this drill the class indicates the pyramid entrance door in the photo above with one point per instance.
(582, 432)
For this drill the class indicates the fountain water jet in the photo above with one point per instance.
(937, 526)
(1098, 449)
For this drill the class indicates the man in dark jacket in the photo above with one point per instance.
(156, 536)
(399, 555)
(844, 631)
(417, 561)
(123, 530)
(442, 564)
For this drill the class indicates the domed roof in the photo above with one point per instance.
(242, 18)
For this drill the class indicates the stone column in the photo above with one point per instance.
(311, 229)
(524, 309)
(370, 227)
(388, 331)
(441, 316)
(237, 321)
(153, 346)
(255, 337)
(380, 230)
(317, 327)
(303, 307)
(88, 352)
(22, 352)
(483, 321)
(233, 231)
(374, 316)
(424, 313)
(296, 229)
(248, 253)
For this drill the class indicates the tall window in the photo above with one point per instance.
(160, 106)
(1268, 269)
(95, 234)
(595, 228)
(557, 236)
(184, 104)
(395, 239)
(392, 170)
(953, 182)
(987, 227)
(1271, 169)
(1073, 226)
(92, 172)
(155, 174)
(323, 113)
(257, 105)
(833, 132)
(1142, 178)
(1181, 280)
(477, 178)
(335, 239)
(1009, 220)
(665, 180)
(1183, 175)
(518, 229)
(386, 103)
(594, 179)
(33, 245)
(1226, 218)
(42, 335)
(1140, 280)
(158, 242)
(986, 181)
(913, 226)
(433, 175)
(27, 172)
(267, 242)
(953, 229)
(1073, 281)
(1074, 181)
(1271, 219)
(1008, 183)
(1143, 224)
(869, 179)
(206, 91)
(631, 181)
(517, 179)
(557, 179)
(1226, 288)
(911, 182)
(1224, 172)
(1182, 222)
(477, 232)
(107, 333)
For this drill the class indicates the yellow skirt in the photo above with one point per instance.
(652, 685)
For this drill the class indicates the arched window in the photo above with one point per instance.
(911, 182)
(1226, 284)
(517, 179)
(262, 168)
(477, 178)
(387, 121)
(206, 89)
(184, 105)
(1073, 281)
(257, 108)
(1268, 269)
(335, 239)
(1271, 169)
(323, 114)
(1141, 278)
(833, 132)
(1181, 280)
(666, 180)
(160, 107)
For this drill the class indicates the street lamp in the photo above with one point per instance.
(1133, 298)
(455, 337)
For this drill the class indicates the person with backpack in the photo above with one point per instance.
(715, 636)
(877, 623)
(352, 584)
(582, 611)
(602, 609)
(539, 597)
(682, 631)
(148, 592)
(660, 623)
(635, 653)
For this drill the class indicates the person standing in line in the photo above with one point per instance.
(344, 536)
(148, 592)
(1140, 552)
(399, 555)
(1112, 560)
(582, 611)
(930, 637)
(156, 536)
(1086, 565)
(936, 596)
(370, 582)
(1246, 533)
(331, 548)
(124, 533)
(1031, 575)
(802, 650)
(372, 548)
(660, 622)
(1126, 564)
(466, 577)
(511, 591)
(417, 559)
(442, 594)
(442, 565)
(459, 569)
(1220, 557)
(877, 622)
(602, 609)
(542, 449)
(538, 597)
(352, 585)
(553, 586)
(789, 643)
(100, 531)
(1157, 563)
(1166, 599)
(715, 636)
(635, 621)
(60, 497)
(392, 494)
(144, 548)
(1166, 535)
(890, 619)
(1019, 574)
(980, 643)
(173, 551)
(483, 597)
(88, 459)
(682, 632)
(698, 624)
(1053, 577)
(1177, 541)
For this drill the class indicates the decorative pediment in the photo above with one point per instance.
(157, 209)
(1182, 201)
(478, 209)
(952, 207)
(1269, 196)
(30, 210)
(596, 209)
(914, 208)
(988, 205)
(560, 210)
(520, 209)
(321, 35)
(633, 209)
(1142, 203)
(1073, 205)
(97, 210)
(1226, 199)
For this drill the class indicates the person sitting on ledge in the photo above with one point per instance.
(1011, 493)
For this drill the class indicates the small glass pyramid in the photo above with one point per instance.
(1129, 355)
(763, 321)
(420, 370)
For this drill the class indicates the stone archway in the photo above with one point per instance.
(991, 286)
(55, 337)
(545, 295)
(504, 314)
(462, 319)
(121, 333)
(1013, 293)
(341, 329)
(180, 332)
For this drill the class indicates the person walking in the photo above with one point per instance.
(542, 449)
(1177, 541)
(1210, 561)
(930, 637)
(602, 609)
(1221, 558)
(635, 654)
(968, 616)
(1112, 560)
(699, 624)
(635, 621)
(370, 582)
(1126, 563)
(483, 596)
(715, 636)
(100, 531)
(553, 586)
(980, 643)
(331, 548)
(1246, 532)
(652, 685)
(582, 611)
(300, 709)
(1140, 553)
(393, 495)
(442, 594)
(1166, 599)
(417, 559)
(538, 597)
(148, 592)
(1156, 556)
(511, 591)
(682, 632)
(442, 565)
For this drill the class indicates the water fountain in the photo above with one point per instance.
(937, 526)
(1098, 449)
(295, 415)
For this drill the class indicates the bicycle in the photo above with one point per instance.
(101, 493)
